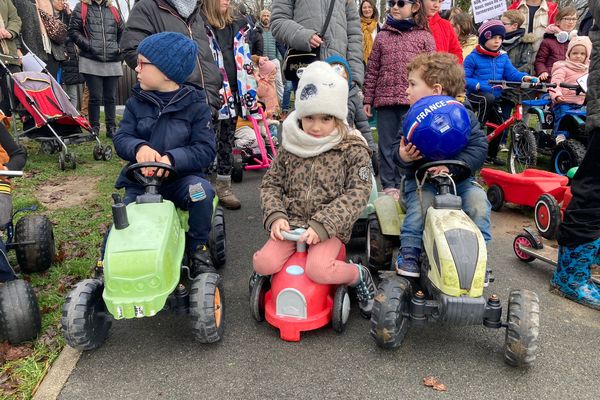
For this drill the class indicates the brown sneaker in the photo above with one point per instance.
(226, 196)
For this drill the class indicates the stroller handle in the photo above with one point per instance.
(11, 173)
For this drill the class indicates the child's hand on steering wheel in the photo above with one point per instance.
(309, 237)
(277, 226)
(440, 169)
(147, 154)
(409, 152)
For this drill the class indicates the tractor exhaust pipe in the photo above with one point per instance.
(119, 212)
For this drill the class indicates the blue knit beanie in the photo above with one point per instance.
(174, 54)
(489, 29)
(335, 59)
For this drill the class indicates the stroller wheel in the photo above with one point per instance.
(47, 147)
(61, 161)
(107, 153)
(72, 161)
(98, 152)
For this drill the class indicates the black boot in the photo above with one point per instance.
(201, 262)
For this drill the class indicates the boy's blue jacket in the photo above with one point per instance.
(474, 153)
(479, 68)
(182, 130)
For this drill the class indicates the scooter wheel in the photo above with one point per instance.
(72, 161)
(61, 161)
(495, 196)
(547, 216)
(523, 327)
(257, 297)
(237, 172)
(524, 241)
(341, 309)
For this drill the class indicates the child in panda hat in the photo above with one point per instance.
(320, 181)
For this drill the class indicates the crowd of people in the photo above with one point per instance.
(378, 62)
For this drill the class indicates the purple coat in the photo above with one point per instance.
(386, 79)
(550, 51)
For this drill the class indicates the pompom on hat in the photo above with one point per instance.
(174, 54)
(489, 29)
(321, 91)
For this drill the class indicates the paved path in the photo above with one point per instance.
(156, 358)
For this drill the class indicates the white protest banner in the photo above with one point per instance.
(487, 9)
(446, 4)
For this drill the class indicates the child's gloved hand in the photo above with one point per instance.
(310, 237)
(277, 226)
(409, 152)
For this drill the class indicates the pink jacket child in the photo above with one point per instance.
(568, 71)
(267, 93)
(571, 69)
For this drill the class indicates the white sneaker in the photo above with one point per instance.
(560, 138)
(503, 148)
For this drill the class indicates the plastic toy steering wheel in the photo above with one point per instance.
(293, 236)
(459, 169)
(134, 173)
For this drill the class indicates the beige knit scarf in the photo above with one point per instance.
(301, 144)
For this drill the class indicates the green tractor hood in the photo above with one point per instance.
(142, 262)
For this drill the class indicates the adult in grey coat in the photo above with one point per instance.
(153, 16)
(297, 22)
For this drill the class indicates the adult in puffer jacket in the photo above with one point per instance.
(443, 33)
(296, 22)
(97, 34)
(579, 232)
(153, 16)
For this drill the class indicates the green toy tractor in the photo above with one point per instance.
(143, 270)
(451, 283)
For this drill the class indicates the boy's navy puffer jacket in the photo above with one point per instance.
(473, 154)
(479, 68)
(182, 130)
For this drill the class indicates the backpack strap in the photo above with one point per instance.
(115, 14)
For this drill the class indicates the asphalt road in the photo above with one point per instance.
(156, 358)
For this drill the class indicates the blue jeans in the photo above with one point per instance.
(559, 111)
(474, 203)
(178, 191)
(287, 94)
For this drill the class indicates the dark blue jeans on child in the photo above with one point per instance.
(192, 193)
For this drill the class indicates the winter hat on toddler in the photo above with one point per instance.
(321, 91)
(174, 54)
(581, 41)
(265, 67)
(489, 29)
(335, 59)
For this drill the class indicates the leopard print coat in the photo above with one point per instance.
(326, 192)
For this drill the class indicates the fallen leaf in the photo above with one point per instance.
(434, 383)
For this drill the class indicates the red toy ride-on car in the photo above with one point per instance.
(290, 301)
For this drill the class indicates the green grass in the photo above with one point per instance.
(78, 232)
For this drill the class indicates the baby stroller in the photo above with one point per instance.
(259, 156)
(49, 117)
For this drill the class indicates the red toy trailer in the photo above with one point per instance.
(546, 191)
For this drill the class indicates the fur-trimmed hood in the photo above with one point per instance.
(107, 3)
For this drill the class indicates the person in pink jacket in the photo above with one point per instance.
(569, 71)
(403, 36)
(445, 38)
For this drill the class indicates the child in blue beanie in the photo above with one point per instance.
(356, 114)
(169, 121)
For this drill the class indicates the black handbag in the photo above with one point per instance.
(296, 59)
